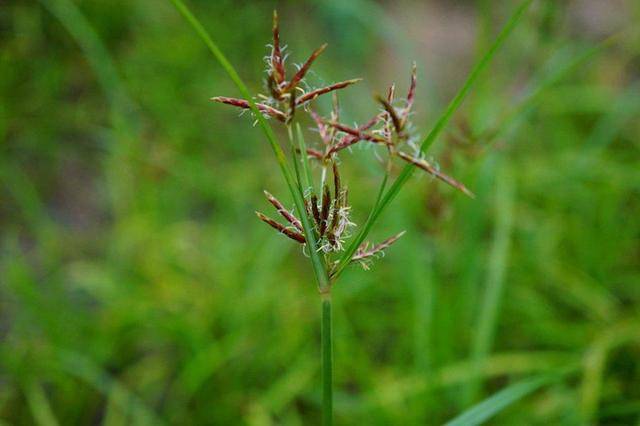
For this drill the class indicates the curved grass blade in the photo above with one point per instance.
(491, 406)
(434, 133)
(494, 290)
(39, 404)
(84, 369)
(317, 262)
(94, 50)
(553, 77)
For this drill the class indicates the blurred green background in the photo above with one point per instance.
(137, 286)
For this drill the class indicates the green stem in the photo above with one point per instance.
(327, 362)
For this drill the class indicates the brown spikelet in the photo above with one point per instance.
(336, 182)
(357, 133)
(318, 92)
(391, 93)
(354, 137)
(324, 214)
(322, 127)
(273, 87)
(427, 167)
(277, 62)
(412, 89)
(314, 153)
(315, 212)
(296, 236)
(364, 251)
(241, 103)
(345, 142)
(303, 70)
(292, 107)
(397, 123)
(307, 207)
(284, 212)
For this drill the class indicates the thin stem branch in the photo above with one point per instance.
(327, 362)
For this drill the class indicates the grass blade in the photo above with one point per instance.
(498, 258)
(318, 263)
(84, 369)
(94, 49)
(499, 401)
(435, 132)
(39, 405)
(566, 68)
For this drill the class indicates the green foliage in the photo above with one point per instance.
(136, 285)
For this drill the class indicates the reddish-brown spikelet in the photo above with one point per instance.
(337, 204)
(391, 93)
(318, 92)
(427, 167)
(284, 212)
(345, 142)
(314, 210)
(331, 230)
(357, 133)
(322, 128)
(324, 214)
(350, 139)
(241, 103)
(296, 236)
(315, 153)
(277, 62)
(303, 70)
(412, 90)
(364, 251)
(336, 183)
(397, 123)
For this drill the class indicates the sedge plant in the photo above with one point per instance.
(321, 220)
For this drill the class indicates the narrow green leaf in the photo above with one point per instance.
(494, 288)
(84, 369)
(94, 50)
(39, 405)
(570, 63)
(319, 267)
(435, 132)
(491, 406)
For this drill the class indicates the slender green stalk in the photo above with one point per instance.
(327, 362)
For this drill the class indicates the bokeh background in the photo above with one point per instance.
(137, 286)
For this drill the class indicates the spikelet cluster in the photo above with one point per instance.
(328, 210)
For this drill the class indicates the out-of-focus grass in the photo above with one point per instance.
(136, 285)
